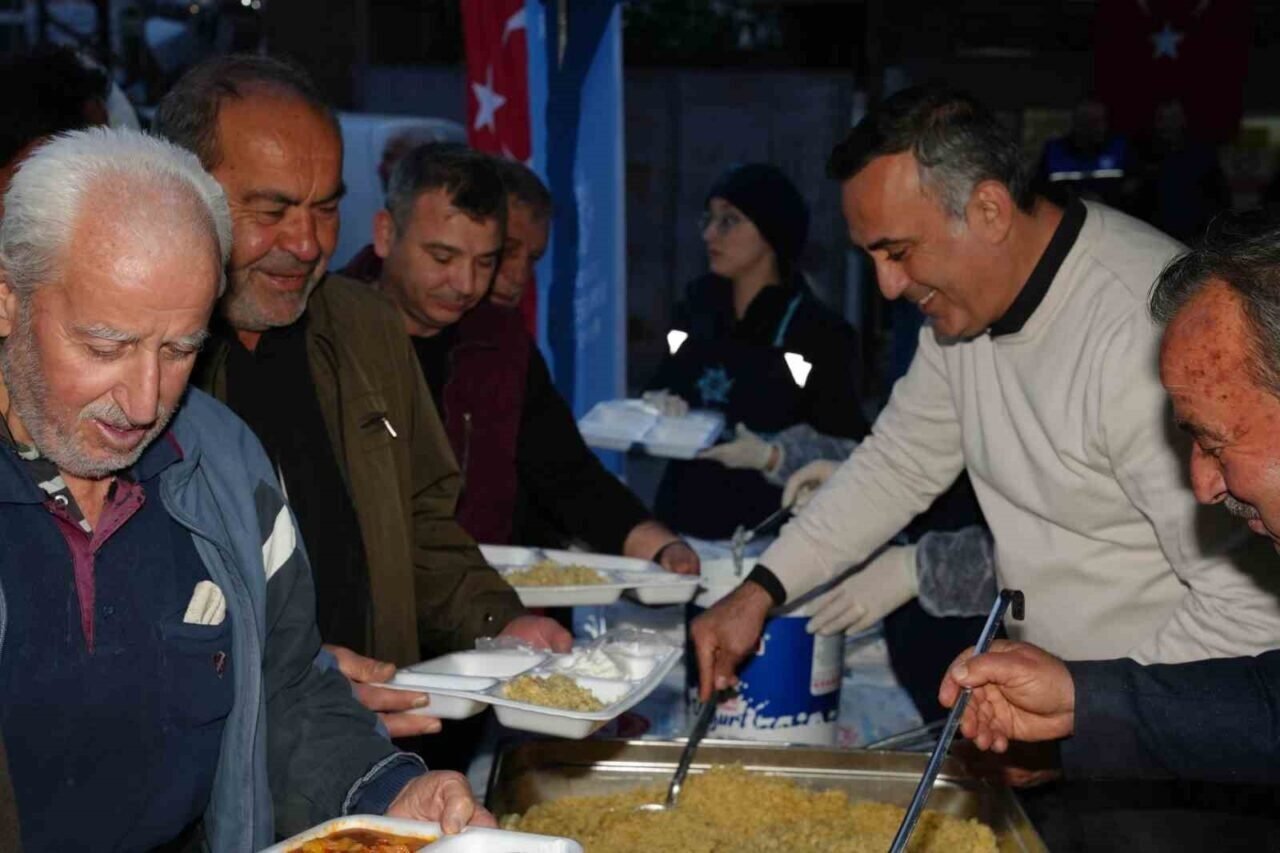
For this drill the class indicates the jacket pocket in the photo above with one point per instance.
(375, 428)
(197, 665)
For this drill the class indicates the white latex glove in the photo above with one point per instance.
(866, 597)
(668, 404)
(747, 450)
(802, 484)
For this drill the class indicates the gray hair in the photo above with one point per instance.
(50, 188)
(957, 143)
(188, 113)
(524, 185)
(1241, 250)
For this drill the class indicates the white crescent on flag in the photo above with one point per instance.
(514, 24)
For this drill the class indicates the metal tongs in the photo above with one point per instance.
(742, 537)
(1008, 598)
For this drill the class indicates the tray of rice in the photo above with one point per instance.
(748, 798)
(567, 695)
(376, 834)
(577, 579)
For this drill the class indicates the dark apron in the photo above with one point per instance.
(751, 384)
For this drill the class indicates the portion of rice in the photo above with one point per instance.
(729, 809)
(551, 573)
(552, 691)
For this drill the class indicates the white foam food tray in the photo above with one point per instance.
(642, 669)
(470, 840)
(645, 581)
(684, 437)
(624, 424)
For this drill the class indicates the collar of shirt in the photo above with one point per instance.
(1046, 269)
(24, 469)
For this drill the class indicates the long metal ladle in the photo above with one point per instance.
(1008, 598)
(700, 726)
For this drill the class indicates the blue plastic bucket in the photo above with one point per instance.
(789, 691)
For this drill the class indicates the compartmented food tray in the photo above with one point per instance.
(541, 771)
(624, 424)
(461, 684)
(473, 840)
(642, 580)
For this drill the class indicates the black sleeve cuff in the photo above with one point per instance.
(1106, 742)
(765, 577)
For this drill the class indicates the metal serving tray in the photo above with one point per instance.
(538, 771)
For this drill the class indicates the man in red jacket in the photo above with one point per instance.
(452, 231)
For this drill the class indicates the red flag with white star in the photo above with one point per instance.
(497, 77)
(498, 91)
(1150, 51)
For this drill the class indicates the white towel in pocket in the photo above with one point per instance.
(208, 606)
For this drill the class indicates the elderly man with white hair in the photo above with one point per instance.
(158, 683)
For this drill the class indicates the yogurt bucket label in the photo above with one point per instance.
(826, 669)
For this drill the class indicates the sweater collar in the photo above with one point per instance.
(1046, 269)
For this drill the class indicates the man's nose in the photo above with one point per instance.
(893, 282)
(470, 279)
(140, 392)
(299, 237)
(1207, 482)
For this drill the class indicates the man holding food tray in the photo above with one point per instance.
(1211, 719)
(529, 478)
(321, 369)
(1038, 375)
(158, 683)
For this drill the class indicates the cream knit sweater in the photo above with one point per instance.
(1067, 436)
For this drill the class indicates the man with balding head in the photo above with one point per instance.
(158, 683)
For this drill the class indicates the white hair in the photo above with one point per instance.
(50, 187)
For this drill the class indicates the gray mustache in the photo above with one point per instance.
(1240, 509)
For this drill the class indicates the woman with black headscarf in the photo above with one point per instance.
(742, 319)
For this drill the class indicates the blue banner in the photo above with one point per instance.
(576, 112)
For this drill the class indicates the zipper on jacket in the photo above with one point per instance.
(466, 445)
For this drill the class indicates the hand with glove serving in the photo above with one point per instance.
(668, 405)
(802, 485)
(747, 450)
(868, 595)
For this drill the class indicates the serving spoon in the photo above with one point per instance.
(700, 726)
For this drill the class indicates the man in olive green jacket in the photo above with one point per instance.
(400, 471)
(322, 370)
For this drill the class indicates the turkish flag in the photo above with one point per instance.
(1197, 51)
(498, 91)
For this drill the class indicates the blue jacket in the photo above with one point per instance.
(324, 749)
(1212, 720)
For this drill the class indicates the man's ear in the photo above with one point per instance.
(8, 306)
(384, 233)
(990, 211)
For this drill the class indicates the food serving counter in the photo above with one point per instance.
(540, 771)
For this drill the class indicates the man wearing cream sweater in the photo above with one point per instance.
(1038, 374)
